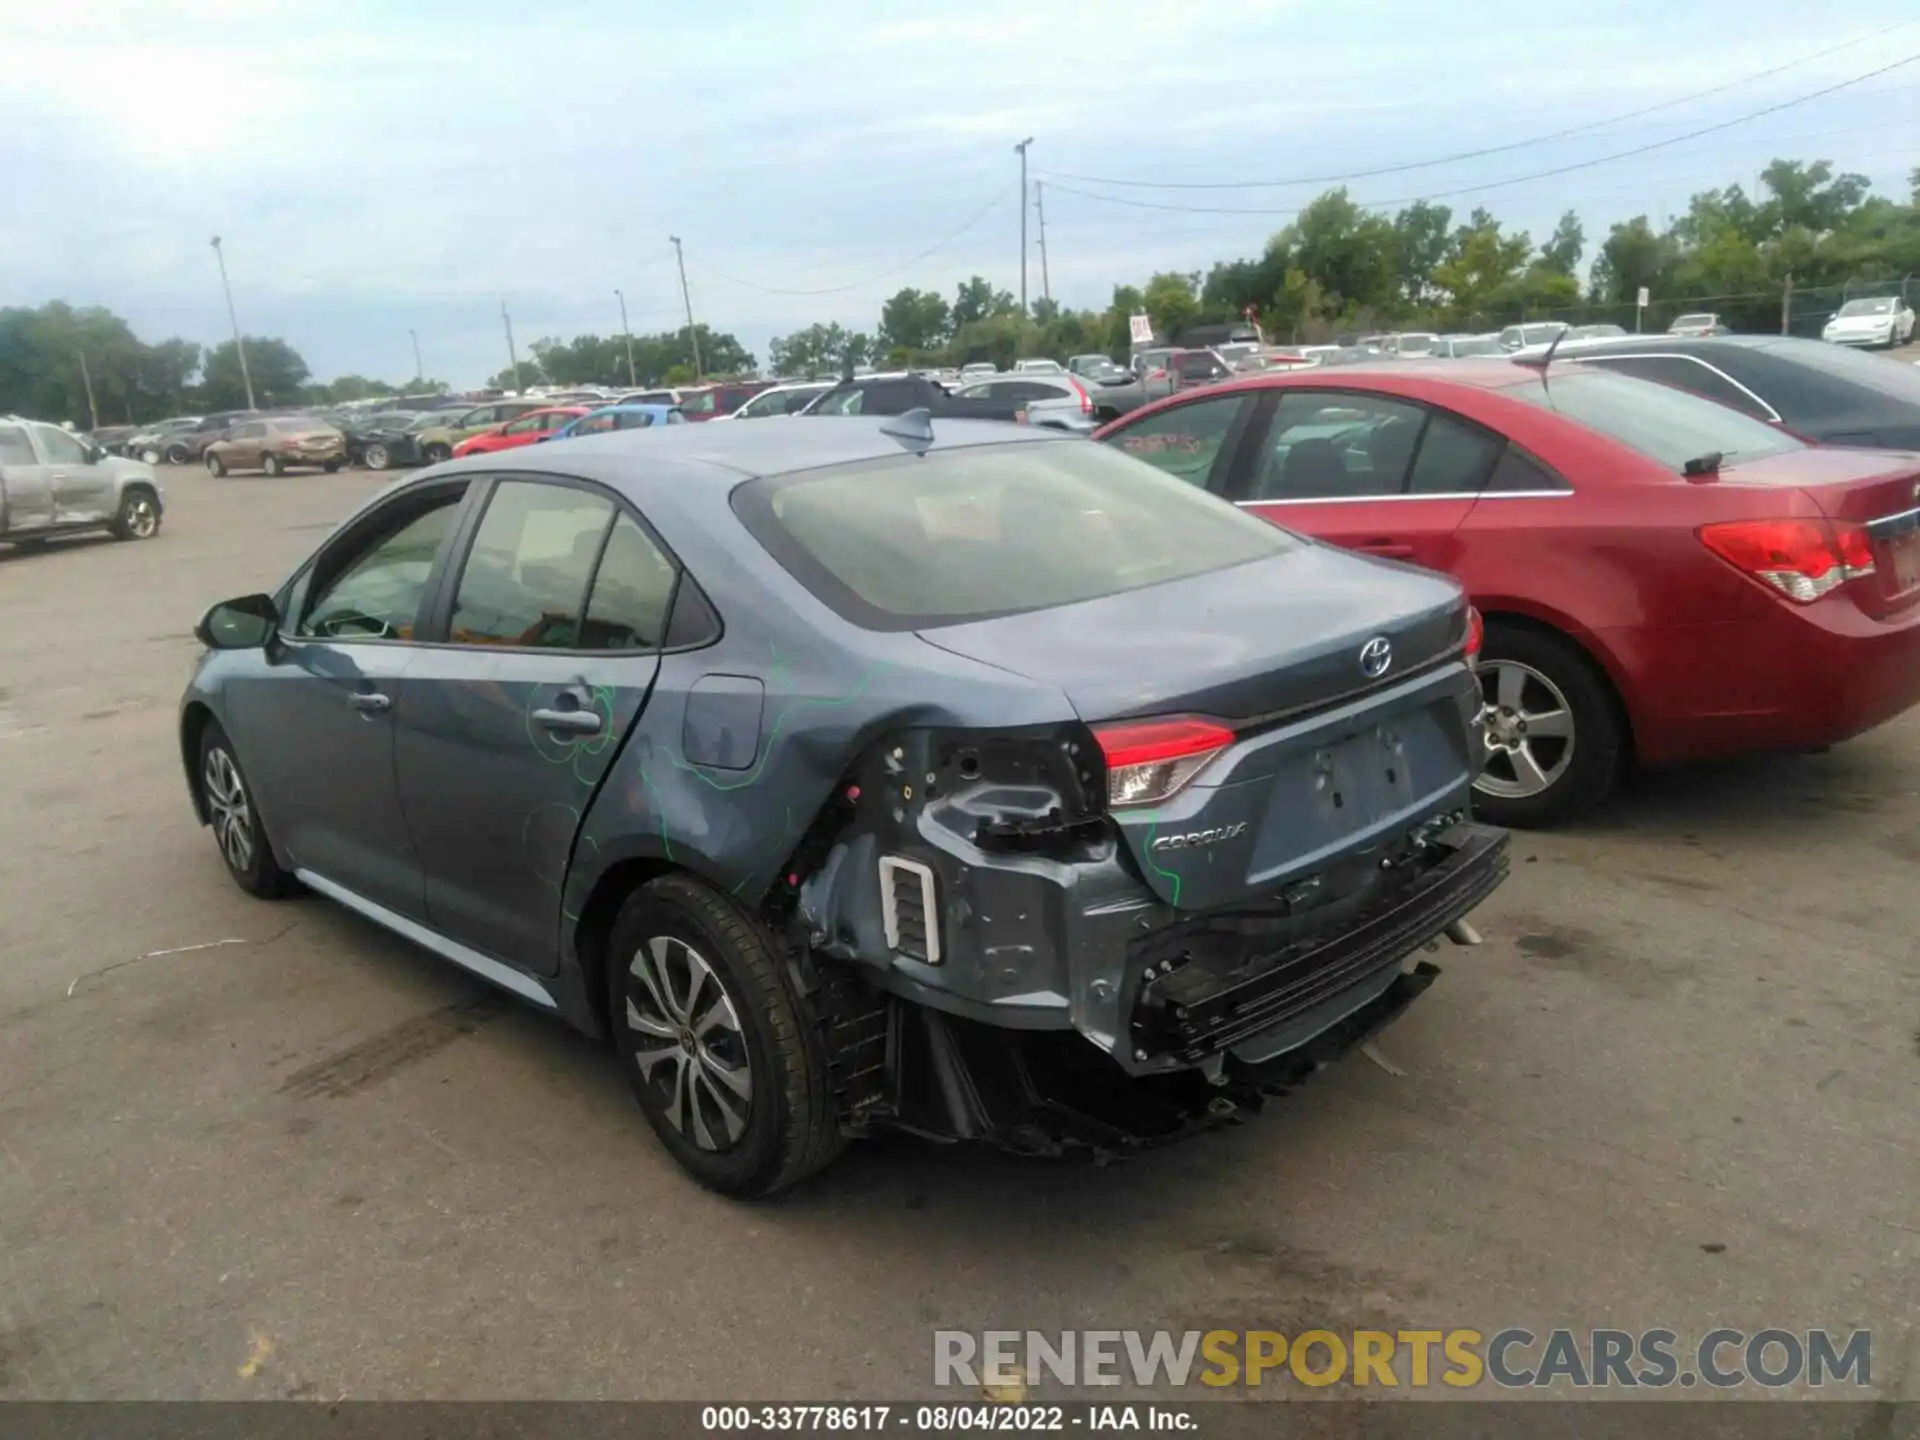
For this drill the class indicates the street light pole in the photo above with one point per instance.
(234, 320)
(686, 298)
(419, 370)
(626, 330)
(513, 357)
(1040, 210)
(1022, 149)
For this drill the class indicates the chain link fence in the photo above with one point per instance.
(1785, 310)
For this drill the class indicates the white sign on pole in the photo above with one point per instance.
(1141, 328)
(1644, 297)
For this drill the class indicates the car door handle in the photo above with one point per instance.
(1391, 549)
(579, 721)
(370, 702)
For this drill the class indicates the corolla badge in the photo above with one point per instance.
(1193, 838)
(1375, 656)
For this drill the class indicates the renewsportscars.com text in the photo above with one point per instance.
(1514, 1358)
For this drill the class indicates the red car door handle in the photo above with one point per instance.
(1392, 549)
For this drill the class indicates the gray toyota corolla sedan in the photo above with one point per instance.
(860, 773)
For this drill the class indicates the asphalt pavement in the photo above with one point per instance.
(257, 1151)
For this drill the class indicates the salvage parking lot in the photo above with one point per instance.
(262, 1151)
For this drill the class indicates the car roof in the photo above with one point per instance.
(634, 409)
(675, 455)
(1491, 373)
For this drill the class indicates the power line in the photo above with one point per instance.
(1567, 169)
(998, 200)
(1455, 158)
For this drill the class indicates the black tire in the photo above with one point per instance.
(790, 1129)
(139, 515)
(332, 467)
(1595, 751)
(179, 455)
(220, 777)
(437, 452)
(270, 463)
(215, 465)
(376, 457)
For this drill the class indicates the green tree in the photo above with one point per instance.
(816, 350)
(277, 371)
(976, 299)
(1632, 256)
(1421, 238)
(1561, 254)
(1172, 299)
(914, 320)
(1481, 268)
(1807, 196)
(1353, 256)
(522, 377)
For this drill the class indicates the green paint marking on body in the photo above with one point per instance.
(1157, 868)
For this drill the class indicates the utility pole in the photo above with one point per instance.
(633, 381)
(1021, 149)
(86, 379)
(1040, 209)
(1786, 306)
(234, 320)
(419, 370)
(693, 335)
(513, 356)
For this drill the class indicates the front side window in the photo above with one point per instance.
(959, 535)
(848, 402)
(527, 425)
(632, 420)
(372, 587)
(1184, 441)
(699, 402)
(1324, 445)
(1666, 425)
(61, 448)
(525, 580)
(559, 420)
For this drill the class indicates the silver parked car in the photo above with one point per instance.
(1058, 402)
(54, 483)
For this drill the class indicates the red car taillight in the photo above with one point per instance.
(1802, 559)
(1149, 761)
(1476, 635)
(1086, 400)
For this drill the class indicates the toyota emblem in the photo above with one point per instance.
(1375, 656)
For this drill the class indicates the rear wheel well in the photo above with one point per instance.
(595, 925)
(193, 725)
(1513, 620)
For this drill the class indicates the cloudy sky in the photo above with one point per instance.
(409, 165)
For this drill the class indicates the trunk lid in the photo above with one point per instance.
(1326, 759)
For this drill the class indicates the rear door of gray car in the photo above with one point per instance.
(546, 639)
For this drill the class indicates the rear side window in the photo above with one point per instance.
(1667, 425)
(1683, 372)
(631, 593)
(1184, 441)
(1454, 458)
(847, 402)
(15, 448)
(967, 534)
(525, 580)
(1326, 445)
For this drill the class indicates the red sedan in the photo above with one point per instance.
(533, 426)
(1663, 579)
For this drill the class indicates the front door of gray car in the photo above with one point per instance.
(548, 634)
(82, 488)
(26, 484)
(314, 717)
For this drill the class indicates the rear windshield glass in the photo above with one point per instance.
(907, 544)
(1877, 372)
(1668, 425)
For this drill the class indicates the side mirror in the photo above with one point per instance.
(243, 624)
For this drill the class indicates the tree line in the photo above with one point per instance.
(1339, 267)
(1336, 267)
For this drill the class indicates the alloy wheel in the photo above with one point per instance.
(688, 1042)
(1528, 728)
(143, 517)
(232, 815)
(376, 457)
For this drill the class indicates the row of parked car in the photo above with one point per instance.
(1120, 780)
